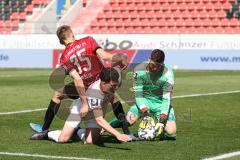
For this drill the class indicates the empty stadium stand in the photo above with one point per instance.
(167, 16)
(133, 16)
(14, 12)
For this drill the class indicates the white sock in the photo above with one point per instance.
(54, 135)
(81, 135)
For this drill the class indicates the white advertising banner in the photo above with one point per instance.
(204, 59)
(128, 41)
(206, 52)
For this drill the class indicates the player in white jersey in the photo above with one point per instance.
(99, 95)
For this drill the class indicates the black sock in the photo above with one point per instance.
(120, 114)
(125, 124)
(50, 114)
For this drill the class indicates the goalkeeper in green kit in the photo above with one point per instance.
(153, 87)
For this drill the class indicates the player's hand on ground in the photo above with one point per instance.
(83, 111)
(123, 138)
(159, 127)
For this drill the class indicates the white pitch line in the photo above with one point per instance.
(33, 75)
(205, 94)
(23, 111)
(200, 94)
(223, 156)
(175, 97)
(44, 156)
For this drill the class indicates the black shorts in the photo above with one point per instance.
(71, 91)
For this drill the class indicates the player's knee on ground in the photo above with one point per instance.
(92, 135)
(63, 139)
(171, 127)
(66, 133)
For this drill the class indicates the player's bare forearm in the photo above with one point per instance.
(79, 86)
(104, 55)
(103, 123)
(83, 97)
(108, 56)
(81, 91)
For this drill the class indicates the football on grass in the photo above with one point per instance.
(146, 133)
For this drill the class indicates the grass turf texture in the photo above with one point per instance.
(207, 125)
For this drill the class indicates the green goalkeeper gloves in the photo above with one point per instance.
(159, 127)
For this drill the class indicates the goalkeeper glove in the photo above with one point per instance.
(159, 128)
(144, 111)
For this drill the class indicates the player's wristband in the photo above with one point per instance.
(163, 119)
(144, 111)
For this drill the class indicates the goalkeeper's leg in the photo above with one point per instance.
(170, 130)
(131, 117)
(170, 127)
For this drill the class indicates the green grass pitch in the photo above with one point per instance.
(206, 125)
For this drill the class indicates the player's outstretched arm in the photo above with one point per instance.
(106, 126)
(120, 58)
(81, 91)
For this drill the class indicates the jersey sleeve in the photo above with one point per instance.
(138, 85)
(167, 92)
(94, 45)
(67, 64)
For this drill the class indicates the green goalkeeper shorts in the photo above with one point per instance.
(153, 111)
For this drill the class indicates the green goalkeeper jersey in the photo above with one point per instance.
(154, 88)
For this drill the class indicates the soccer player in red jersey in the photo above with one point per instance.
(82, 60)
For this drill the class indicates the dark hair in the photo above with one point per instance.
(109, 74)
(63, 32)
(158, 56)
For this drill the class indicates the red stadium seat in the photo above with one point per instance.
(234, 22)
(199, 7)
(228, 30)
(15, 24)
(22, 16)
(174, 7)
(1, 23)
(225, 23)
(221, 14)
(8, 24)
(226, 6)
(212, 14)
(216, 23)
(209, 7)
(218, 7)
(207, 23)
(7, 30)
(15, 16)
(189, 23)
